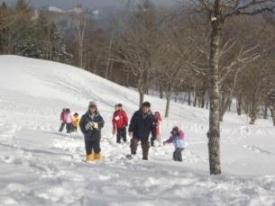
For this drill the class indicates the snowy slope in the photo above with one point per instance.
(39, 166)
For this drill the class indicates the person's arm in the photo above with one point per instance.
(100, 122)
(82, 125)
(133, 123)
(181, 135)
(169, 140)
(153, 125)
(114, 122)
(125, 117)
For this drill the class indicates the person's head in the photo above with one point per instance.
(67, 110)
(118, 107)
(76, 114)
(145, 107)
(157, 115)
(175, 131)
(92, 107)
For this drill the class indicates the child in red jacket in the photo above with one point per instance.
(120, 122)
(157, 129)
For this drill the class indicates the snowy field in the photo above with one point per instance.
(39, 166)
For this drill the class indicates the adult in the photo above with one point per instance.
(91, 124)
(141, 125)
(120, 122)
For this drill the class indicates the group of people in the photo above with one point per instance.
(142, 124)
(71, 122)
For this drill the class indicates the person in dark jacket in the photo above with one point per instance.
(141, 125)
(91, 124)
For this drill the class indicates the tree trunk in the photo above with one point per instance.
(161, 95)
(253, 113)
(265, 111)
(214, 93)
(272, 110)
(195, 99)
(239, 105)
(168, 100)
(141, 97)
(189, 98)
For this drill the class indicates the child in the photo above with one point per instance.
(68, 120)
(62, 120)
(120, 122)
(157, 129)
(75, 122)
(177, 138)
(91, 124)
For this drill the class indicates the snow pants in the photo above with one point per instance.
(144, 145)
(62, 126)
(92, 146)
(69, 127)
(121, 135)
(177, 156)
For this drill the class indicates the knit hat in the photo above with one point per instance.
(146, 104)
(175, 130)
(92, 104)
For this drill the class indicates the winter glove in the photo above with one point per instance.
(89, 126)
(95, 125)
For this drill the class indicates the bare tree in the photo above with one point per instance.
(137, 44)
(218, 12)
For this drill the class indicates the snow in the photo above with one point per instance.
(55, 9)
(39, 166)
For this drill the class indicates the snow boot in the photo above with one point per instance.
(90, 157)
(97, 156)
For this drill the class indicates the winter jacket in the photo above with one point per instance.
(157, 122)
(177, 140)
(76, 121)
(91, 133)
(120, 119)
(142, 125)
(62, 116)
(68, 118)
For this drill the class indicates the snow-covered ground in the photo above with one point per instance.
(39, 166)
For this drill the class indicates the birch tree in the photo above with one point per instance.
(218, 12)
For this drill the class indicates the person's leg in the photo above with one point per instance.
(180, 155)
(118, 136)
(67, 128)
(124, 134)
(97, 149)
(145, 149)
(61, 127)
(134, 145)
(89, 150)
(153, 138)
(88, 147)
(71, 127)
(175, 155)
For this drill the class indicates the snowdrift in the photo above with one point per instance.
(42, 167)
